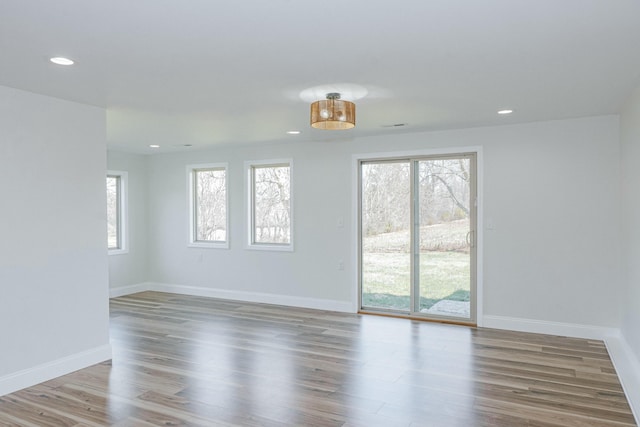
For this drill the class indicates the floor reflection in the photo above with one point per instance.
(181, 360)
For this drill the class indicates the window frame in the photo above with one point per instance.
(122, 211)
(250, 167)
(192, 212)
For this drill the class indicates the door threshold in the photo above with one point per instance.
(420, 318)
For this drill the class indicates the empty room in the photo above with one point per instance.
(355, 213)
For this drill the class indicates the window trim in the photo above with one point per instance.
(123, 212)
(191, 211)
(249, 167)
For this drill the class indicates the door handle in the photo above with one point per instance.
(469, 239)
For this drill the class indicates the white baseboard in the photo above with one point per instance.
(32, 376)
(128, 290)
(288, 300)
(549, 328)
(628, 368)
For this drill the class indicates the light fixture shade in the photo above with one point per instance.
(333, 113)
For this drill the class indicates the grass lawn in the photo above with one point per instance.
(386, 265)
(386, 281)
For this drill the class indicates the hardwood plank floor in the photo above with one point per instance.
(180, 360)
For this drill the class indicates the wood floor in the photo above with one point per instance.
(180, 360)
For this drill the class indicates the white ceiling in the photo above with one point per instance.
(204, 72)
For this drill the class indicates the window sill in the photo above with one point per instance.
(209, 245)
(118, 251)
(269, 247)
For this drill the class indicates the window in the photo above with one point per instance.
(116, 212)
(270, 202)
(208, 206)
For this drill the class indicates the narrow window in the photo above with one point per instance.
(208, 206)
(270, 205)
(116, 212)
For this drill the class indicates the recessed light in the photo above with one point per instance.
(505, 112)
(61, 60)
(154, 146)
(294, 132)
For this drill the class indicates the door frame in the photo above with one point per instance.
(479, 231)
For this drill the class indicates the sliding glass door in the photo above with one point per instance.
(417, 236)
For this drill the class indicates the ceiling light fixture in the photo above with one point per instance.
(333, 113)
(61, 61)
(294, 132)
(503, 112)
(154, 146)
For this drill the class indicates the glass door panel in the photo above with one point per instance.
(443, 242)
(385, 256)
(417, 222)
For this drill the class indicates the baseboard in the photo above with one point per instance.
(291, 301)
(549, 328)
(128, 290)
(41, 373)
(628, 368)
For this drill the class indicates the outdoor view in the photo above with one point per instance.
(211, 205)
(113, 220)
(272, 203)
(441, 232)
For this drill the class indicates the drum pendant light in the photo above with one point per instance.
(333, 113)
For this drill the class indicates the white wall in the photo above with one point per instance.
(322, 191)
(630, 151)
(131, 268)
(628, 348)
(53, 262)
(551, 191)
